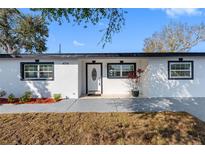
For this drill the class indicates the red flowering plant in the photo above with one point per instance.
(135, 79)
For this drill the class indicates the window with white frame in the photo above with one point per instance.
(35, 71)
(180, 69)
(119, 70)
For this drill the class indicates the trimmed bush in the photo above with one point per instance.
(26, 97)
(57, 97)
(11, 98)
(2, 93)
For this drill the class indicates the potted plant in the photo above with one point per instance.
(135, 77)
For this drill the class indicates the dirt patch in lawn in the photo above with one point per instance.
(32, 101)
(101, 128)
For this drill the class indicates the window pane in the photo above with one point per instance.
(187, 66)
(186, 73)
(113, 73)
(173, 66)
(114, 70)
(180, 66)
(125, 74)
(46, 67)
(38, 71)
(114, 67)
(30, 67)
(126, 69)
(174, 73)
(31, 74)
(180, 73)
(46, 71)
(46, 75)
(120, 70)
(181, 70)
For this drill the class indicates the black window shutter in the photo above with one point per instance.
(22, 70)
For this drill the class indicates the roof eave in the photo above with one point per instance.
(96, 55)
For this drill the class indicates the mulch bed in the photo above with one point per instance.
(33, 101)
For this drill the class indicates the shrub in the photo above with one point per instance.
(2, 93)
(135, 78)
(11, 98)
(57, 97)
(26, 97)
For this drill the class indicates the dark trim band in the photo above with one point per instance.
(105, 55)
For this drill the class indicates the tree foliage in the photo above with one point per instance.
(83, 16)
(175, 37)
(20, 32)
(8, 36)
(33, 31)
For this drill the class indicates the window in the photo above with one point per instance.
(180, 69)
(37, 71)
(117, 70)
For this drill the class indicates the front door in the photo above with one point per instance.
(94, 79)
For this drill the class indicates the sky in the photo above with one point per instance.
(139, 25)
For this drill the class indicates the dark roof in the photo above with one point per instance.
(96, 55)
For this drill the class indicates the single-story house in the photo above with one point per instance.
(77, 74)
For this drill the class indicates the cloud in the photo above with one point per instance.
(175, 12)
(78, 44)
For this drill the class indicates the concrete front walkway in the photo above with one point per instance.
(195, 106)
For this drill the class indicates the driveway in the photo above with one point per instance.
(195, 106)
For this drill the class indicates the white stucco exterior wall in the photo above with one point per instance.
(111, 86)
(158, 84)
(65, 78)
(70, 78)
